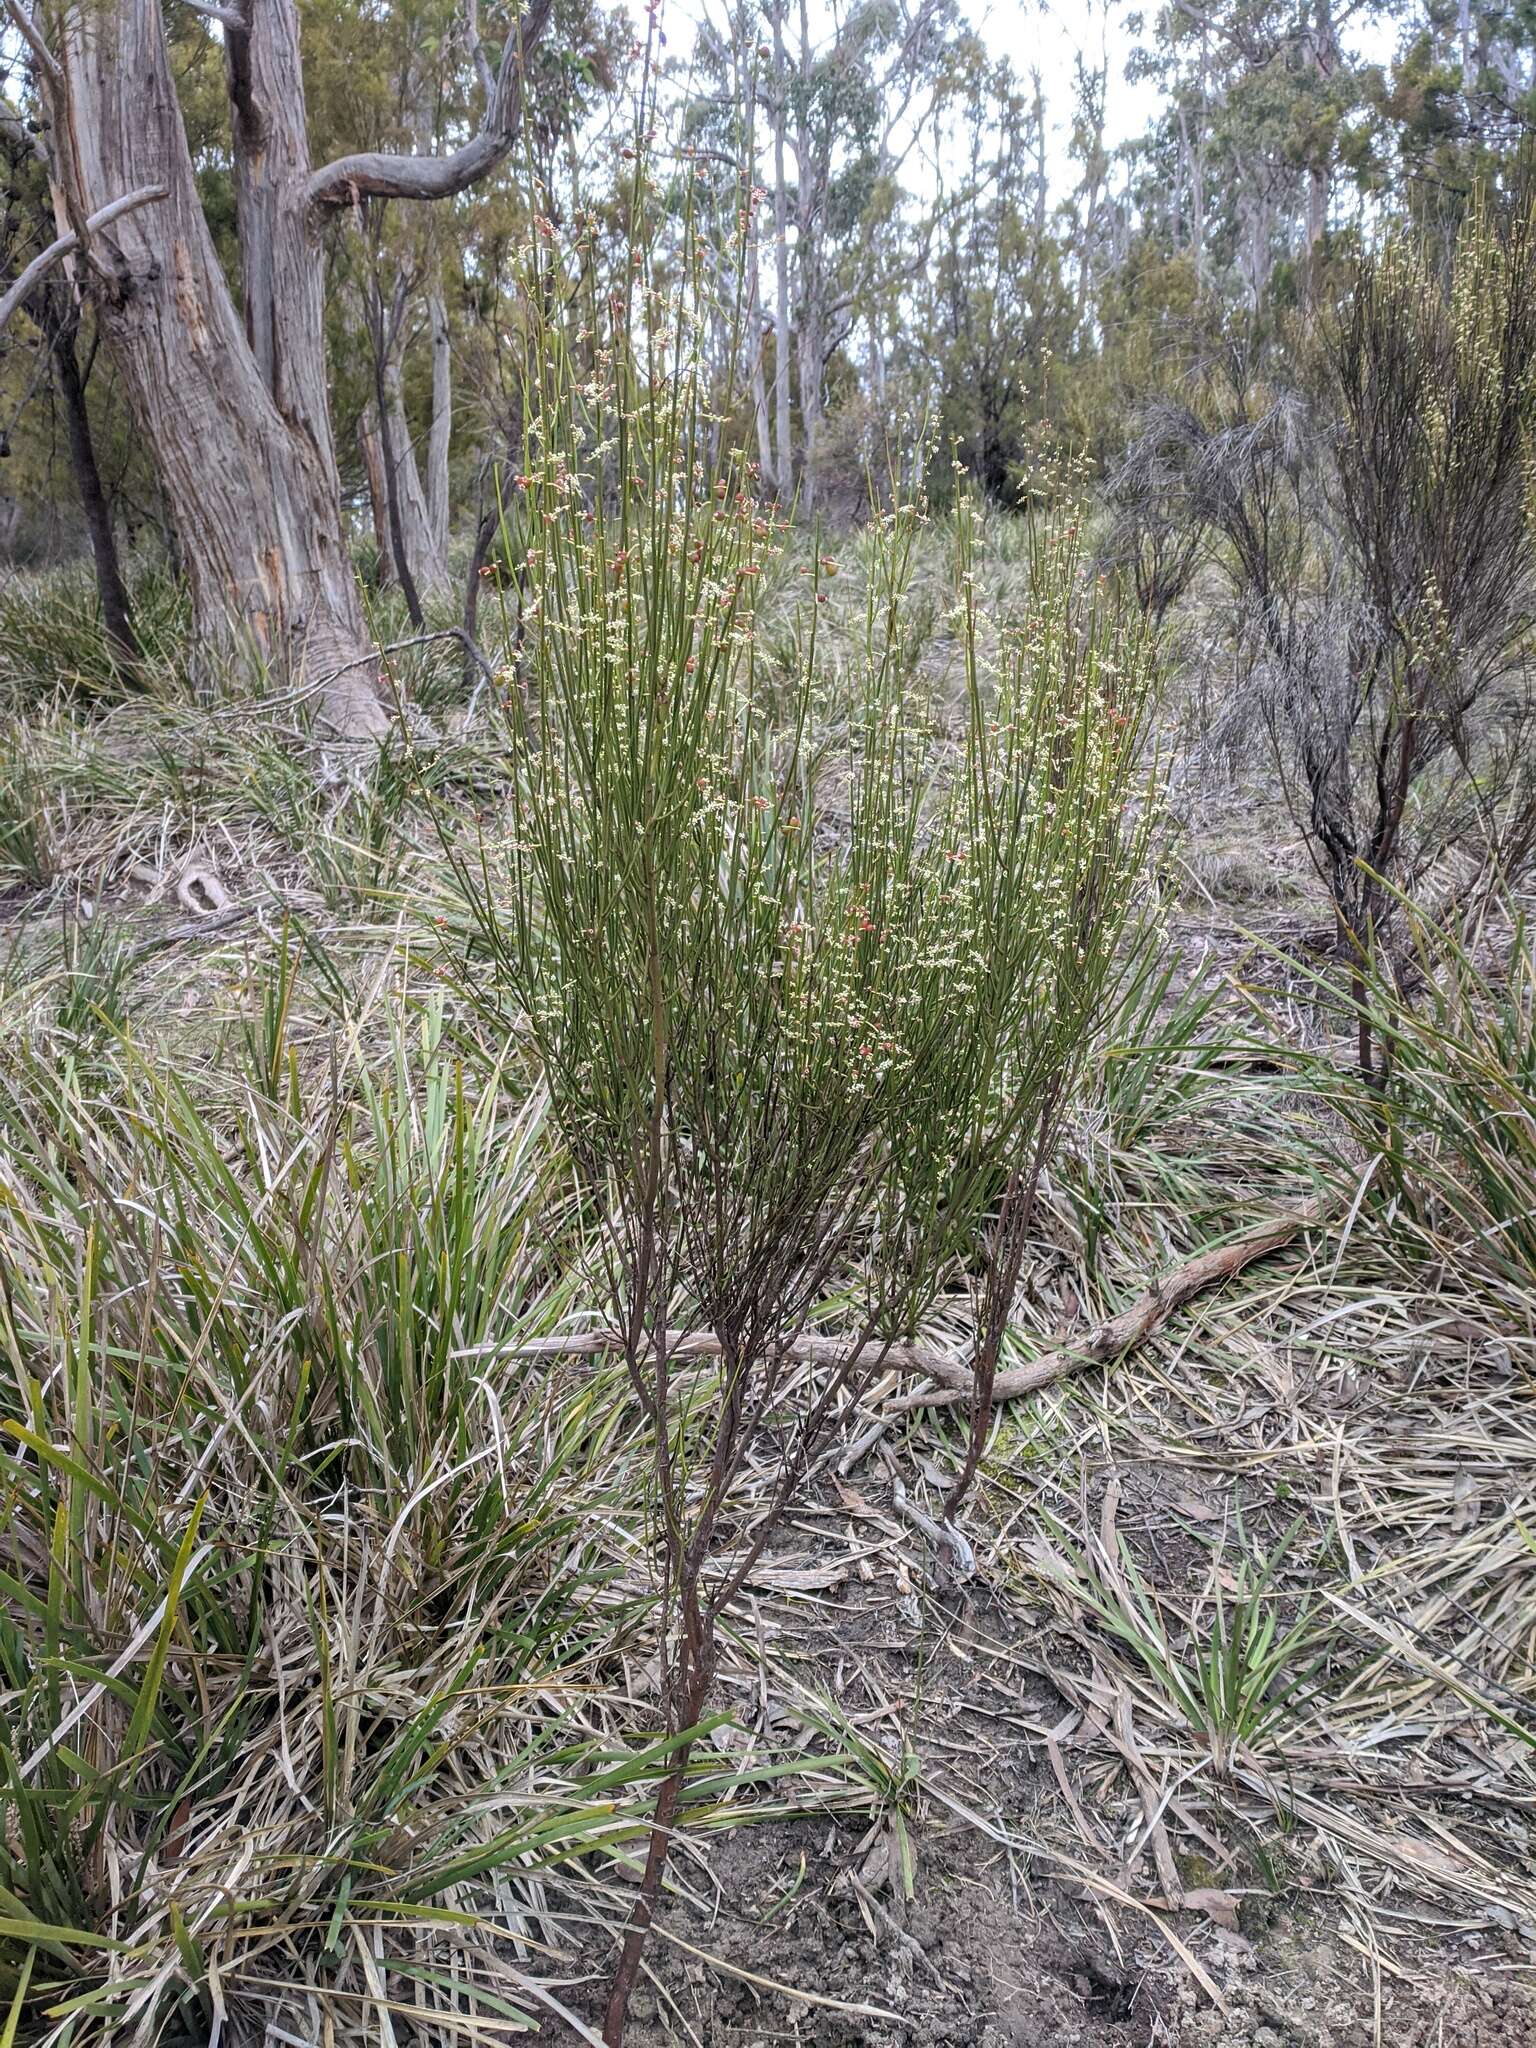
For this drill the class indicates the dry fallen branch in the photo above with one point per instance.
(952, 1376)
(1133, 1326)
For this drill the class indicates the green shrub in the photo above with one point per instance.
(805, 1007)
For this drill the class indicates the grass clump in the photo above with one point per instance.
(306, 1592)
(54, 644)
(1450, 1126)
(1235, 1675)
(27, 855)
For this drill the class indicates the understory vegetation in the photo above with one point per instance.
(347, 1587)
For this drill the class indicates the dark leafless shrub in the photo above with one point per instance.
(1376, 532)
(1153, 537)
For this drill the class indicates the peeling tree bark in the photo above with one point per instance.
(254, 495)
(279, 250)
(234, 406)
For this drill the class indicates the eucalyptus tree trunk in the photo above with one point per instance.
(423, 524)
(1095, 166)
(1468, 44)
(233, 406)
(807, 225)
(281, 272)
(440, 435)
(396, 494)
(757, 335)
(421, 487)
(1042, 177)
(418, 500)
(1323, 54)
(371, 448)
(783, 459)
(237, 422)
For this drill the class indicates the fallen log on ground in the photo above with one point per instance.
(951, 1375)
(1112, 1339)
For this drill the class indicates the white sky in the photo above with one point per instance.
(1048, 35)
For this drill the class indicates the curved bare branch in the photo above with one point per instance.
(227, 17)
(66, 245)
(483, 71)
(32, 36)
(380, 174)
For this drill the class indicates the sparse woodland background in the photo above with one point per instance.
(875, 192)
(767, 1056)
